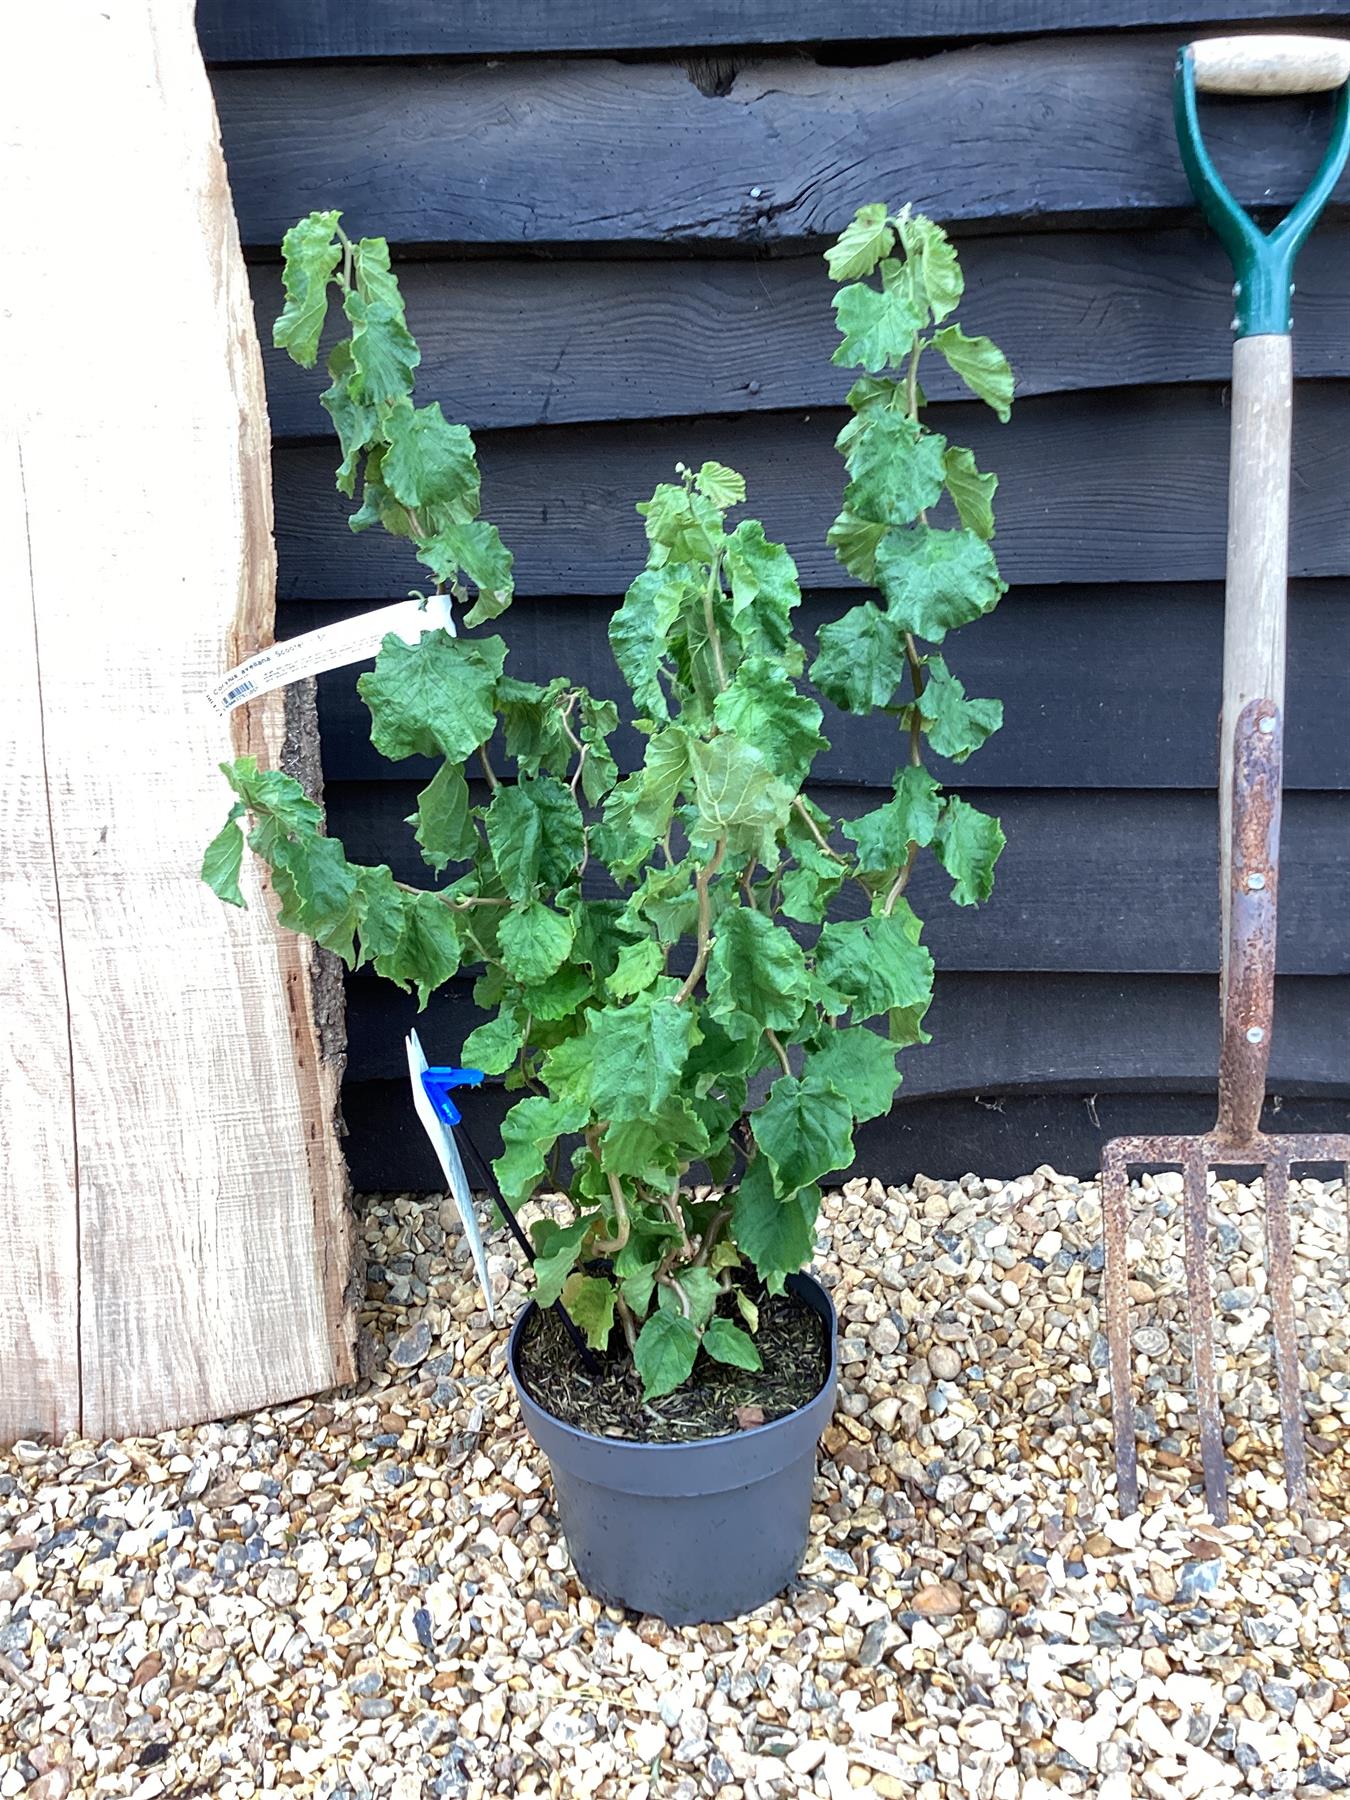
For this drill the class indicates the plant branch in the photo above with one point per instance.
(626, 1319)
(918, 681)
(713, 588)
(778, 1049)
(608, 1246)
(715, 1227)
(800, 807)
(489, 772)
(702, 882)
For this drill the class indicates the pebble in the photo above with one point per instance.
(260, 1606)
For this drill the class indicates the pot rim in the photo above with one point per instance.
(803, 1279)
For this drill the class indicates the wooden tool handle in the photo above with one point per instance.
(1271, 63)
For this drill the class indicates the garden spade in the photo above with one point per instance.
(1250, 738)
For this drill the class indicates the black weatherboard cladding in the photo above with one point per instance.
(609, 223)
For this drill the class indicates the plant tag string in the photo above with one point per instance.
(330, 647)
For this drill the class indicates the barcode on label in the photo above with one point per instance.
(239, 692)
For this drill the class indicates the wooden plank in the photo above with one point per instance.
(525, 342)
(294, 30)
(1117, 882)
(39, 1203)
(213, 1239)
(1088, 702)
(1138, 479)
(558, 152)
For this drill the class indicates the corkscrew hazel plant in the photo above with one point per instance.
(648, 944)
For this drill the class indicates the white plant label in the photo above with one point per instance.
(447, 1152)
(330, 647)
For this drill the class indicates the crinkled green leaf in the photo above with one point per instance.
(764, 709)
(727, 1343)
(664, 1353)
(875, 964)
(599, 721)
(310, 255)
(537, 835)
(475, 549)
(884, 835)
(861, 244)
(968, 844)
(494, 1046)
(971, 491)
(776, 1232)
(878, 325)
(934, 580)
(956, 726)
(854, 541)
(861, 660)
(656, 789)
(735, 785)
(429, 464)
(428, 951)
(556, 1254)
(764, 591)
(355, 420)
(682, 527)
(654, 1149)
(636, 1054)
(534, 941)
(442, 824)
(589, 1300)
(980, 364)
(532, 723)
(529, 1132)
(928, 247)
(639, 632)
(805, 1128)
(638, 967)
(896, 469)
(756, 974)
(224, 858)
(383, 350)
(861, 1065)
(434, 697)
(274, 793)
(720, 485)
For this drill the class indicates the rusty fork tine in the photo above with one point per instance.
(1280, 1275)
(1115, 1219)
(1201, 1309)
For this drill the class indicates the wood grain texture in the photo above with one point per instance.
(39, 1207)
(1138, 480)
(1116, 882)
(290, 30)
(559, 152)
(529, 342)
(1087, 700)
(212, 1226)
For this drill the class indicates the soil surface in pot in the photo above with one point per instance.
(716, 1400)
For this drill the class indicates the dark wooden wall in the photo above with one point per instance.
(609, 223)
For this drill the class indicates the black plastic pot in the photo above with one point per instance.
(690, 1532)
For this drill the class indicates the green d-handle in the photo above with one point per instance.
(1263, 262)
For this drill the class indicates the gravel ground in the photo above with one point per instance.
(368, 1595)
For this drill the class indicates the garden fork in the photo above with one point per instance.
(1250, 738)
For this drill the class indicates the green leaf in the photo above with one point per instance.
(776, 1232)
(878, 325)
(756, 974)
(534, 941)
(590, 1302)
(272, 793)
(427, 954)
(934, 581)
(896, 469)
(310, 255)
(224, 858)
(861, 244)
(529, 1131)
(747, 1309)
(664, 1353)
(638, 967)
(884, 836)
(315, 883)
(475, 549)
(657, 788)
(656, 1149)
(763, 708)
(532, 723)
(972, 492)
(854, 541)
(956, 726)
(720, 485)
(536, 834)
(557, 1253)
(701, 1292)
(494, 1046)
(734, 785)
(805, 1128)
(875, 964)
(980, 364)
(636, 1054)
(861, 660)
(968, 844)
(383, 350)
(434, 697)
(930, 249)
(682, 527)
(765, 587)
(861, 1065)
(639, 630)
(429, 463)
(355, 421)
(442, 824)
(599, 721)
(727, 1343)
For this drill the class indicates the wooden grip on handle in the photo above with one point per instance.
(1270, 63)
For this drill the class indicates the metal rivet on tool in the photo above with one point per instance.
(1255, 1034)
(1267, 725)
(1256, 882)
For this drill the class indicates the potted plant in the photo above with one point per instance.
(687, 966)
